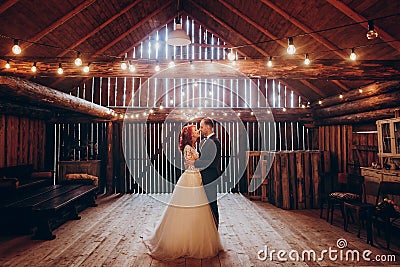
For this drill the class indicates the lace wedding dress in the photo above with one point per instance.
(187, 227)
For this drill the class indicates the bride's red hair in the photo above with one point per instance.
(185, 137)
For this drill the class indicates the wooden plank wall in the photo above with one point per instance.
(365, 148)
(22, 141)
(128, 92)
(338, 140)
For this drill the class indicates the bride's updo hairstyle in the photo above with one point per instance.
(185, 137)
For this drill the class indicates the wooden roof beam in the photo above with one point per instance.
(99, 28)
(36, 93)
(305, 28)
(358, 18)
(270, 35)
(7, 4)
(136, 26)
(262, 52)
(225, 25)
(57, 23)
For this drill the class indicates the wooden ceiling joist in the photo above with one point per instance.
(57, 23)
(45, 96)
(142, 22)
(305, 28)
(261, 51)
(99, 28)
(358, 18)
(229, 28)
(7, 4)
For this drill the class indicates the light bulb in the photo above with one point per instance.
(307, 60)
(171, 64)
(157, 68)
(33, 68)
(60, 70)
(124, 66)
(284, 109)
(320, 102)
(16, 49)
(132, 68)
(171, 101)
(371, 33)
(8, 64)
(78, 60)
(231, 55)
(269, 64)
(291, 48)
(360, 90)
(341, 96)
(353, 55)
(86, 69)
(161, 107)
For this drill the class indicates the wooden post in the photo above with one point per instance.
(110, 163)
(307, 178)
(300, 179)
(293, 180)
(277, 180)
(316, 161)
(285, 180)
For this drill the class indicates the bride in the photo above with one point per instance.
(187, 227)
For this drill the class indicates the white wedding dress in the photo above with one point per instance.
(187, 227)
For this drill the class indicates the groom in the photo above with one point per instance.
(209, 163)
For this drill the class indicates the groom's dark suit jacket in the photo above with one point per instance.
(210, 158)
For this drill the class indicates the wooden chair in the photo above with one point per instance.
(350, 191)
(364, 210)
(385, 218)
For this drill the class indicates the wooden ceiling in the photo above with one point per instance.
(104, 30)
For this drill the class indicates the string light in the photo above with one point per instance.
(16, 49)
(33, 68)
(78, 60)
(157, 68)
(171, 64)
(60, 69)
(269, 63)
(132, 67)
(231, 55)
(86, 68)
(341, 96)
(124, 66)
(319, 102)
(353, 55)
(291, 48)
(284, 109)
(8, 64)
(371, 33)
(307, 60)
(360, 90)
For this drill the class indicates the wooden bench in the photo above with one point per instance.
(39, 207)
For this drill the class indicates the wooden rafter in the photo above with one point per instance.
(358, 18)
(305, 28)
(319, 92)
(142, 22)
(316, 36)
(7, 4)
(251, 22)
(122, 36)
(229, 28)
(99, 28)
(57, 23)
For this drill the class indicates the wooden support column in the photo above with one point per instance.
(110, 163)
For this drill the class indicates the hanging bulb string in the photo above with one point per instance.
(316, 31)
(19, 58)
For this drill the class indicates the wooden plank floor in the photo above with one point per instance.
(109, 235)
